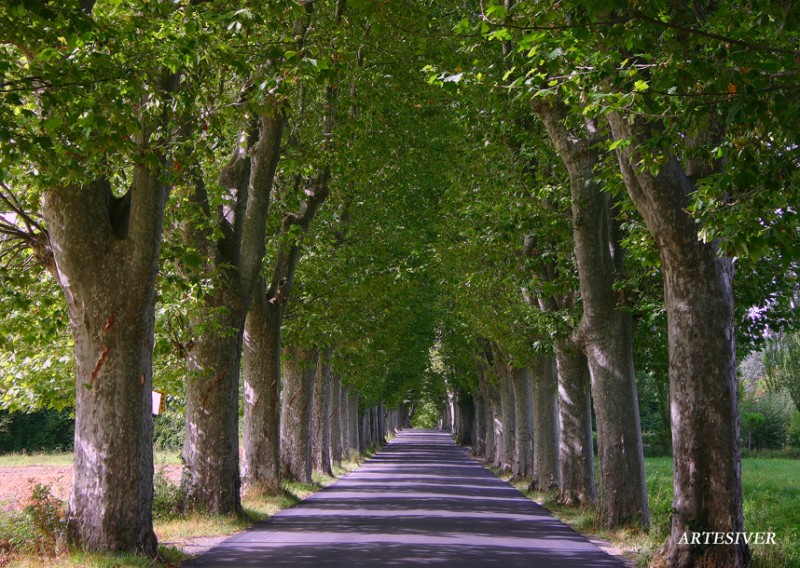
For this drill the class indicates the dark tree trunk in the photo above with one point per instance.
(466, 420)
(347, 444)
(299, 372)
(545, 427)
(336, 419)
(355, 438)
(605, 332)
(479, 441)
(106, 251)
(262, 464)
(702, 359)
(488, 395)
(576, 454)
(320, 422)
(523, 428)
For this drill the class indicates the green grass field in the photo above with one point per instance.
(771, 490)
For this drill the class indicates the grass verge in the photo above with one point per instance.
(34, 537)
(771, 490)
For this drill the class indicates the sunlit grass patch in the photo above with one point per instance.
(771, 502)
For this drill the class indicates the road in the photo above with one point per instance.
(421, 501)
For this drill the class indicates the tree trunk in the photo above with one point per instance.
(576, 452)
(347, 445)
(299, 372)
(605, 332)
(545, 428)
(106, 251)
(479, 442)
(320, 424)
(355, 438)
(702, 360)
(262, 464)
(211, 447)
(335, 417)
(507, 421)
(489, 397)
(523, 428)
(466, 418)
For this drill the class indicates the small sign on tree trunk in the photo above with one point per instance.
(159, 399)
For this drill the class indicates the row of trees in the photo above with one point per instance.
(518, 212)
(167, 164)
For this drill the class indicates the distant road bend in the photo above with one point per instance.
(421, 501)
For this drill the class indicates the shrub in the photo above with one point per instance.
(168, 430)
(168, 498)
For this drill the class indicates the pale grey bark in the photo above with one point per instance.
(299, 372)
(576, 454)
(546, 474)
(605, 332)
(261, 464)
(522, 467)
(105, 251)
(505, 422)
(320, 422)
(702, 359)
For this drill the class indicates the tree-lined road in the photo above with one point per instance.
(420, 501)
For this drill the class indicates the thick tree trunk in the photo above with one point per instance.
(523, 428)
(261, 467)
(320, 422)
(546, 475)
(605, 332)
(335, 418)
(466, 419)
(576, 454)
(364, 429)
(507, 422)
(489, 397)
(105, 251)
(211, 446)
(702, 361)
(212, 481)
(299, 372)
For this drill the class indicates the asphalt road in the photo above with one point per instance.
(421, 501)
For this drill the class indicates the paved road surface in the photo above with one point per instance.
(421, 501)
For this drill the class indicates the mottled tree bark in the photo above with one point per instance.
(320, 421)
(605, 332)
(702, 360)
(211, 446)
(576, 454)
(105, 251)
(261, 465)
(523, 429)
(506, 419)
(545, 427)
(299, 372)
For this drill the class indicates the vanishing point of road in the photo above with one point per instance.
(421, 501)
